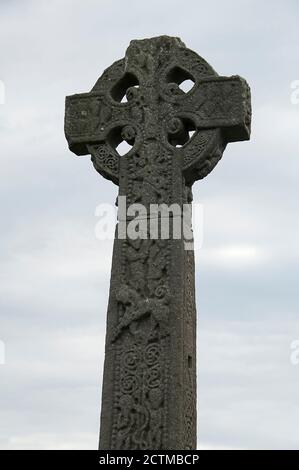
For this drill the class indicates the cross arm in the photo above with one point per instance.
(220, 102)
(81, 121)
(219, 109)
(87, 125)
(94, 124)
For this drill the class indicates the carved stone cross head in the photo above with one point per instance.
(176, 135)
(140, 99)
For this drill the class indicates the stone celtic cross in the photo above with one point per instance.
(176, 138)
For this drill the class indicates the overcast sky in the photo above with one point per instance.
(55, 273)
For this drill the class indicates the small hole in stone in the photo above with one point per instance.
(121, 139)
(186, 85)
(124, 98)
(181, 77)
(189, 361)
(118, 91)
(123, 148)
(183, 135)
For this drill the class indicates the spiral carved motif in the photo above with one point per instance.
(152, 354)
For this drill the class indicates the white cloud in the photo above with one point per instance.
(47, 441)
(247, 386)
(232, 256)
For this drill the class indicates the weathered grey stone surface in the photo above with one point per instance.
(149, 387)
